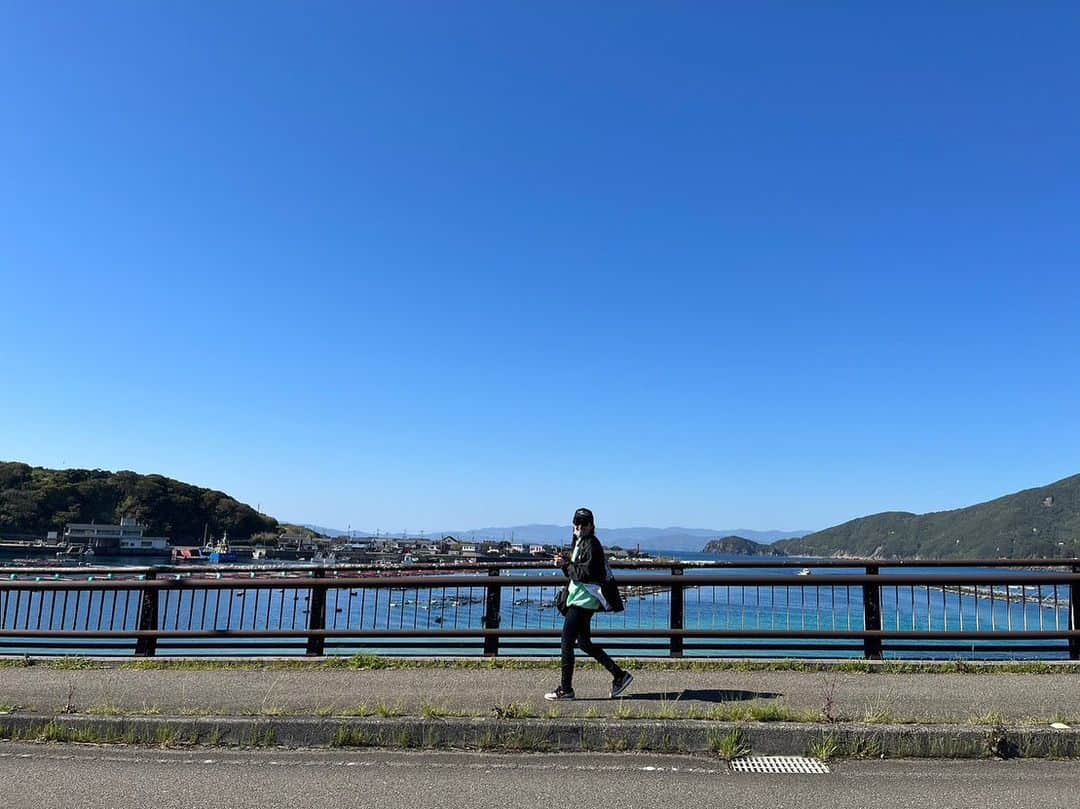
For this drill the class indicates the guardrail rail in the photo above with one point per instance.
(976, 609)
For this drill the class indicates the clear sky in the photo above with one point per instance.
(430, 265)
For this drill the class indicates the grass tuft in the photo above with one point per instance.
(876, 715)
(72, 664)
(730, 745)
(514, 710)
(361, 709)
(387, 710)
(826, 748)
(430, 711)
(623, 711)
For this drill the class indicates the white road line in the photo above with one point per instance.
(428, 765)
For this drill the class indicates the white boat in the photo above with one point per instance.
(804, 572)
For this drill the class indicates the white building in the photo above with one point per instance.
(127, 537)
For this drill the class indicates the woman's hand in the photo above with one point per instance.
(559, 560)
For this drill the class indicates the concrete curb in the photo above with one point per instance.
(841, 740)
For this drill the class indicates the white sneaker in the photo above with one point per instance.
(558, 695)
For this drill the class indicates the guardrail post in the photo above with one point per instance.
(316, 644)
(492, 616)
(148, 618)
(676, 611)
(872, 615)
(1074, 616)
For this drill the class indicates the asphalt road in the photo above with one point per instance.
(43, 776)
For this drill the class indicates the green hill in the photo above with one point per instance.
(1035, 523)
(34, 500)
(740, 546)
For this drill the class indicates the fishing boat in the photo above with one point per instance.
(219, 553)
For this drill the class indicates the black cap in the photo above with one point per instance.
(583, 517)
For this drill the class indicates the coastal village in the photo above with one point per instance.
(128, 539)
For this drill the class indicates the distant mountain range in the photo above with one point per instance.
(660, 539)
(1043, 522)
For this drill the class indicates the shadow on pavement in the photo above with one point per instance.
(700, 695)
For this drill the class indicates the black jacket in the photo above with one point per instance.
(590, 567)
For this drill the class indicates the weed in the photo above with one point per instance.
(358, 710)
(72, 664)
(521, 739)
(778, 712)
(105, 709)
(514, 710)
(616, 744)
(667, 710)
(265, 738)
(825, 748)
(876, 715)
(387, 711)
(775, 711)
(8, 707)
(435, 711)
(998, 744)
(667, 744)
(195, 712)
(829, 684)
(368, 662)
(865, 747)
(993, 718)
(624, 711)
(349, 737)
(489, 741)
(729, 746)
(168, 736)
(432, 737)
(56, 732)
(592, 713)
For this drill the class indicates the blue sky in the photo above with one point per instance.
(428, 265)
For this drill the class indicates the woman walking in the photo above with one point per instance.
(587, 570)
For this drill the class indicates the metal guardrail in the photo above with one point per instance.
(746, 608)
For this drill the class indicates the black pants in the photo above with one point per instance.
(576, 629)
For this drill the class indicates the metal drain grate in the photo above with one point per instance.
(778, 764)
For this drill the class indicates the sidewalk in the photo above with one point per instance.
(657, 693)
(444, 706)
